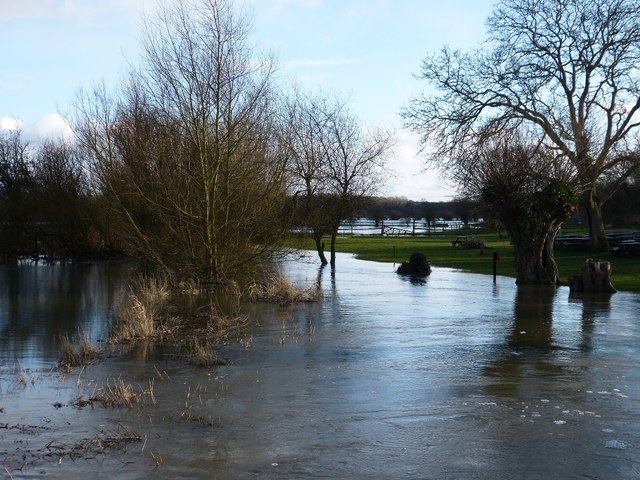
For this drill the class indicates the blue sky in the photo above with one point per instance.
(367, 50)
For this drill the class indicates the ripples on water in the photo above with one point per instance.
(453, 377)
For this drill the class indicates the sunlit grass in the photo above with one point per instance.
(440, 253)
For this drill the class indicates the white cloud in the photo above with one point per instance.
(10, 9)
(52, 126)
(8, 123)
(75, 9)
(412, 180)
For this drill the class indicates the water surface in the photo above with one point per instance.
(454, 377)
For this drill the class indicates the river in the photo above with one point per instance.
(454, 377)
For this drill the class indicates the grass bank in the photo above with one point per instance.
(441, 253)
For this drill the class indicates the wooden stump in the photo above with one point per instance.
(595, 278)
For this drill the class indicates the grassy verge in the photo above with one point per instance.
(440, 253)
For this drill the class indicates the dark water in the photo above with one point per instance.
(454, 378)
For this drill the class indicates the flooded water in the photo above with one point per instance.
(450, 378)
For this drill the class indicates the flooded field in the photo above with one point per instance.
(451, 378)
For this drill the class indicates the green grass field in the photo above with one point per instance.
(440, 253)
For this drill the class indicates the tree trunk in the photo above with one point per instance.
(597, 236)
(535, 261)
(334, 235)
(317, 237)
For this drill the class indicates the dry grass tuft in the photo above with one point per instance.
(204, 355)
(118, 394)
(140, 312)
(83, 354)
(21, 378)
(278, 289)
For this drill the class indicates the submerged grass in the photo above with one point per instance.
(118, 393)
(72, 355)
(440, 253)
(204, 355)
(139, 315)
(279, 289)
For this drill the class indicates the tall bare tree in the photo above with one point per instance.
(188, 154)
(334, 162)
(567, 67)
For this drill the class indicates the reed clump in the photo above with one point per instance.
(279, 289)
(118, 394)
(80, 354)
(139, 315)
(204, 355)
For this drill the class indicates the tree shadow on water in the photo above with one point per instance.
(528, 348)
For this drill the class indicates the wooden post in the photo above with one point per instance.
(495, 265)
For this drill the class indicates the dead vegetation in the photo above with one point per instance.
(21, 378)
(81, 355)
(117, 393)
(152, 311)
(279, 289)
(204, 355)
(192, 403)
(140, 313)
(102, 443)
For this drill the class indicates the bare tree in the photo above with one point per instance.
(301, 132)
(188, 155)
(569, 68)
(61, 201)
(16, 192)
(355, 165)
(334, 164)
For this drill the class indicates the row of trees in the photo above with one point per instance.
(538, 118)
(395, 208)
(198, 162)
(44, 202)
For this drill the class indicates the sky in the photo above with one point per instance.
(368, 51)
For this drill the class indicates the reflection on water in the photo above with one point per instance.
(385, 378)
(39, 303)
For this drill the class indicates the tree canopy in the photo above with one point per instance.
(566, 69)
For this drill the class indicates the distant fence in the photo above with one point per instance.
(402, 227)
(622, 242)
